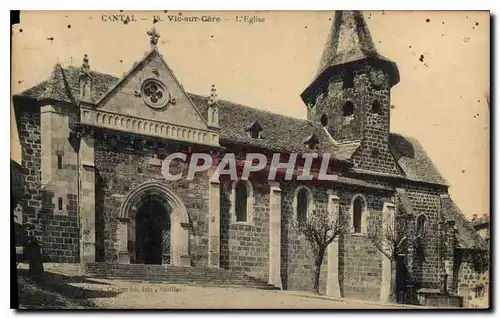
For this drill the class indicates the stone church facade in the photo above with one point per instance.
(92, 151)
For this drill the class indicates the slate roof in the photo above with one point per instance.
(349, 40)
(483, 220)
(467, 236)
(64, 85)
(280, 133)
(413, 160)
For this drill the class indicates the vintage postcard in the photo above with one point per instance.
(268, 159)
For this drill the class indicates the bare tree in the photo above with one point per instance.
(320, 229)
(391, 237)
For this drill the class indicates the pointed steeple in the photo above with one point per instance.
(56, 88)
(348, 42)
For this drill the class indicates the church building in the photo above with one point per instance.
(94, 194)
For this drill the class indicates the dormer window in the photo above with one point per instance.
(348, 80)
(312, 141)
(254, 130)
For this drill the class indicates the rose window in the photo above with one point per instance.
(154, 93)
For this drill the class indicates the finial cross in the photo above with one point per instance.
(153, 37)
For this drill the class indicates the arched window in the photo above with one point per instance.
(421, 225)
(302, 206)
(358, 208)
(241, 202)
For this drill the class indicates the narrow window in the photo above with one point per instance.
(348, 108)
(302, 206)
(421, 224)
(324, 120)
(377, 107)
(59, 161)
(59, 203)
(254, 134)
(241, 202)
(348, 80)
(358, 206)
(479, 291)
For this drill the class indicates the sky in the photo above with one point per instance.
(440, 100)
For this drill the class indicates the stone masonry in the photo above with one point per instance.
(93, 150)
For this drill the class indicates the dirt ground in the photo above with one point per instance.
(156, 295)
(62, 287)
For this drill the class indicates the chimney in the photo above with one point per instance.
(474, 216)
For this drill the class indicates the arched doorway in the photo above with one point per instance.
(153, 227)
(152, 233)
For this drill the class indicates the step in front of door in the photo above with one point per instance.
(172, 274)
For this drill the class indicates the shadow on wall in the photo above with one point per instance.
(55, 291)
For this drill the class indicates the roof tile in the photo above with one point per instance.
(467, 237)
(413, 160)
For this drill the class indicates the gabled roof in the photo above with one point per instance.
(413, 160)
(280, 133)
(467, 237)
(64, 85)
(149, 56)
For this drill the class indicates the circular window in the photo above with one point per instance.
(155, 94)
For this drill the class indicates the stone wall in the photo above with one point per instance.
(426, 265)
(245, 246)
(122, 163)
(297, 258)
(367, 124)
(56, 229)
(360, 260)
(473, 280)
(28, 124)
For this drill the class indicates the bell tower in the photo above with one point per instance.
(350, 94)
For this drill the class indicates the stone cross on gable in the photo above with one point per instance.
(153, 37)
